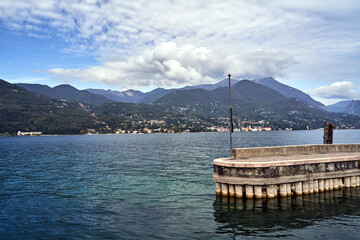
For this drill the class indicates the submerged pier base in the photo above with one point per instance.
(249, 191)
(283, 171)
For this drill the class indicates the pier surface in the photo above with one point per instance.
(272, 171)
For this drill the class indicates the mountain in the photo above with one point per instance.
(129, 96)
(66, 91)
(194, 110)
(290, 92)
(21, 110)
(157, 93)
(347, 107)
(243, 92)
(338, 107)
(250, 100)
(134, 96)
(353, 107)
(209, 87)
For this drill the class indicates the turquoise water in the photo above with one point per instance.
(156, 186)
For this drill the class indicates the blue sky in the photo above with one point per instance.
(310, 45)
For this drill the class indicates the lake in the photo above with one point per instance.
(156, 186)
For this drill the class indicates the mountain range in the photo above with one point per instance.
(26, 111)
(98, 97)
(290, 92)
(149, 97)
(348, 107)
(66, 91)
(249, 99)
(134, 96)
(65, 109)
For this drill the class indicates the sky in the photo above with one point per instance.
(310, 45)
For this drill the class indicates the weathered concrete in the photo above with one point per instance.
(295, 150)
(218, 188)
(353, 181)
(321, 185)
(311, 187)
(298, 188)
(336, 183)
(258, 191)
(266, 172)
(326, 185)
(305, 186)
(316, 186)
(270, 191)
(347, 182)
(231, 190)
(283, 190)
(341, 183)
(331, 184)
(249, 191)
(224, 189)
(239, 191)
(288, 189)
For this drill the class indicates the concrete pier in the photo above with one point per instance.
(231, 190)
(224, 189)
(249, 191)
(288, 189)
(305, 187)
(290, 170)
(218, 188)
(331, 184)
(258, 191)
(239, 191)
(336, 183)
(298, 188)
(353, 181)
(311, 187)
(326, 184)
(321, 185)
(316, 186)
(270, 191)
(347, 182)
(341, 184)
(283, 190)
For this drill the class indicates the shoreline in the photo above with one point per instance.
(49, 135)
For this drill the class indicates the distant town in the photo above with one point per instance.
(160, 126)
(30, 109)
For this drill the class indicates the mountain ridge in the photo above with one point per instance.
(290, 92)
(22, 110)
(249, 100)
(66, 91)
(347, 107)
(194, 110)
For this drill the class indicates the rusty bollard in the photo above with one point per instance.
(328, 133)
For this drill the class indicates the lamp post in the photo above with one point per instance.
(231, 127)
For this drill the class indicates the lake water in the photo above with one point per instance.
(156, 186)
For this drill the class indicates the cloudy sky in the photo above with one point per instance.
(311, 45)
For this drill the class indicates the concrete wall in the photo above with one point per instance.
(294, 150)
(291, 170)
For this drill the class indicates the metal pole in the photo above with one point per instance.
(231, 128)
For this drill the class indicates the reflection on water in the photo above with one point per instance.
(275, 217)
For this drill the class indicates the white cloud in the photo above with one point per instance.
(112, 27)
(337, 90)
(321, 37)
(170, 65)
